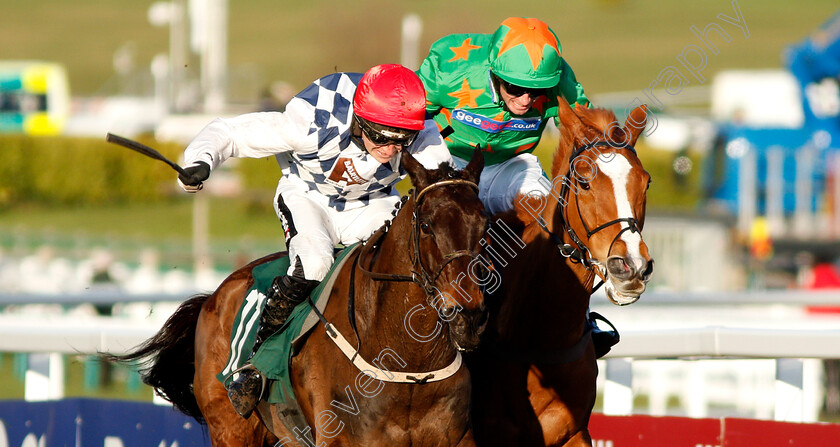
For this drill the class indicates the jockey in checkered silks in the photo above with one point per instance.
(338, 143)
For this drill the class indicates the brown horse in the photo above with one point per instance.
(405, 279)
(534, 375)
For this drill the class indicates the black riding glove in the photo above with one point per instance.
(195, 175)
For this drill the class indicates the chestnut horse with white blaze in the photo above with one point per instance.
(534, 376)
(401, 279)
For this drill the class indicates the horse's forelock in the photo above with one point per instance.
(595, 119)
(446, 168)
(598, 118)
(445, 171)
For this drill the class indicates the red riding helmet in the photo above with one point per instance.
(391, 95)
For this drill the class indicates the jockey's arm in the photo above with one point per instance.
(570, 87)
(252, 135)
(428, 73)
(429, 148)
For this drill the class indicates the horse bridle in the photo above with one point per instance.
(580, 252)
(419, 273)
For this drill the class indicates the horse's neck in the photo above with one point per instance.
(546, 293)
(383, 306)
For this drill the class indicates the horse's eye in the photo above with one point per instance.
(425, 228)
(584, 185)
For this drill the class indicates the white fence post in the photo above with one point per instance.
(803, 219)
(789, 390)
(618, 389)
(774, 185)
(44, 377)
(696, 396)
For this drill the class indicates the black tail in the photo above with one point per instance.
(167, 360)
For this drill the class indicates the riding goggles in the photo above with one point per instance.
(382, 135)
(517, 91)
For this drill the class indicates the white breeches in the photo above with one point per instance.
(313, 229)
(500, 183)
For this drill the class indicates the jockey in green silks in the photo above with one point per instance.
(499, 91)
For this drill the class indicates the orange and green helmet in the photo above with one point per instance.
(526, 52)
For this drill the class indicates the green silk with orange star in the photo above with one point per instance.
(460, 94)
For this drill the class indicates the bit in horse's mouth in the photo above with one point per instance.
(619, 298)
(616, 297)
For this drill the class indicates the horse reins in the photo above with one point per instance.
(580, 253)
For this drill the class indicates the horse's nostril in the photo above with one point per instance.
(618, 267)
(648, 270)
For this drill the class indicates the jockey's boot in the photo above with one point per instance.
(603, 340)
(285, 294)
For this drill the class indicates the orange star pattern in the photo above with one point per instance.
(532, 34)
(463, 52)
(466, 96)
(524, 147)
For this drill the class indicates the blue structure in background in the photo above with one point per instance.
(722, 178)
(815, 59)
(813, 62)
(89, 422)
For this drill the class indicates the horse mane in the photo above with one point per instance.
(520, 217)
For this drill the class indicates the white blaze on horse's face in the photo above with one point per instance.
(618, 169)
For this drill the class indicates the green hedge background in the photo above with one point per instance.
(90, 172)
(75, 171)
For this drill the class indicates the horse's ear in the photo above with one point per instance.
(476, 164)
(418, 174)
(569, 118)
(635, 123)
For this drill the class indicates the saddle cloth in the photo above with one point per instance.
(273, 359)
